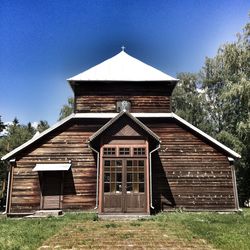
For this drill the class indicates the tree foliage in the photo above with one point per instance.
(16, 134)
(2, 126)
(67, 109)
(189, 101)
(221, 104)
(42, 125)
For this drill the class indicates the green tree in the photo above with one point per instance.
(16, 134)
(67, 109)
(2, 126)
(42, 125)
(226, 81)
(188, 101)
(217, 100)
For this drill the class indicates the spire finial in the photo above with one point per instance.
(123, 48)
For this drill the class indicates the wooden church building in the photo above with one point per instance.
(122, 151)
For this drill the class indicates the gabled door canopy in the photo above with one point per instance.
(124, 113)
(95, 143)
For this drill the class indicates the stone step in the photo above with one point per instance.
(119, 217)
(45, 213)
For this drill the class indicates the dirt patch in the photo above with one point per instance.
(123, 235)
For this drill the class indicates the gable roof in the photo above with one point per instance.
(122, 67)
(113, 115)
(113, 120)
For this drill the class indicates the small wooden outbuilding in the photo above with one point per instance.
(122, 151)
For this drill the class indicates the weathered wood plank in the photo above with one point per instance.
(188, 172)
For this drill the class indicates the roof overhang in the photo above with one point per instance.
(136, 116)
(75, 84)
(52, 167)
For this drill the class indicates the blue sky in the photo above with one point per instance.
(45, 42)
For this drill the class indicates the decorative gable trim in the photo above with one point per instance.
(113, 120)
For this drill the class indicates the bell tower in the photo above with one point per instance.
(122, 82)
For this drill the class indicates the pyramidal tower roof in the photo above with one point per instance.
(122, 67)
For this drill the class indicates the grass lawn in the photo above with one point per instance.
(223, 231)
(31, 233)
(166, 230)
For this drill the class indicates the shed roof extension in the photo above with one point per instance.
(122, 67)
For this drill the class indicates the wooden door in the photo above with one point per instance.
(124, 185)
(135, 186)
(113, 200)
(51, 190)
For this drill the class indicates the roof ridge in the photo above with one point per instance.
(122, 67)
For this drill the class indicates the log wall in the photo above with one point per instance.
(79, 188)
(189, 173)
(139, 103)
(144, 97)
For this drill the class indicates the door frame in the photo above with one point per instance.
(61, 173)
(147, 177)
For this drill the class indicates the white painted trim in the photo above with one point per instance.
(52, 167)
(150, 173)
(112, 115)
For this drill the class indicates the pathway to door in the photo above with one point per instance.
(123, 235)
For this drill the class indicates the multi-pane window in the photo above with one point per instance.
(112, 176)
(139, 151)
(124, 169)
(124, 151)
(135, 176)
(109, 151)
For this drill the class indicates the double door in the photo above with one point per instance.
(124, 185)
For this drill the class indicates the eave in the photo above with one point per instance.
(229, 151)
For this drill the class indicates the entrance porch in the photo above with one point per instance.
(124, 146)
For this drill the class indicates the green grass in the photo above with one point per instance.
(30, 233)
(222, 231)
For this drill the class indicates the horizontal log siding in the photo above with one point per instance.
(139, 103)
(144, 96)
(79, 190)
(188, 173)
